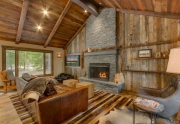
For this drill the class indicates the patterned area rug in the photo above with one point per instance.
(21, 110)
(99, 105)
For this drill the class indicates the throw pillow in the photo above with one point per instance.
(49, 90)
(27, 77)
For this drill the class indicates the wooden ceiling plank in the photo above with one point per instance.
(164, 5)
(146, 13)
(10, 6)
(58, 22)
(141, 5)
(126, 4)
(117, 4)
(75, 35)
(58, 40)
(157, 5)
(169, 3)
(87, 7)
(13, 21)
(14, 2)
(173, 5)
(133, 4)
(6, 30)
(8, 25)
(148, 5)
(22, 20)
(177, 10)
(109, 4)
(9, 15)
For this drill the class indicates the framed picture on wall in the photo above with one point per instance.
(73, 60)
(145, 53)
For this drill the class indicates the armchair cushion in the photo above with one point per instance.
(10, 75)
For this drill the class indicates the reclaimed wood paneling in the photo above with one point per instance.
(139, 29)
(77, 46)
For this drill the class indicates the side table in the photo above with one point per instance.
(152, 111)
(70, 82)
(90, 88)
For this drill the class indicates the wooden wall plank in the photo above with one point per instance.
(77, 46)
(145, 29)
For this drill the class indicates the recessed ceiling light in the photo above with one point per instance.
(99, 2)
(85, 11)
(39, 27)
(45, 12)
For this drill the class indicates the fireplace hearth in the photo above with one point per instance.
(99, 71)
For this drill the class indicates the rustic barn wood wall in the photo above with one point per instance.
(77, 46)
(133, 30)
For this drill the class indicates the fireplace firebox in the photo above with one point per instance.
(99, 71)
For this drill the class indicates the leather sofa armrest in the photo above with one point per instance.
(57, 108)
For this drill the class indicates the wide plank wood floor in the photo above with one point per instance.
(8, 114)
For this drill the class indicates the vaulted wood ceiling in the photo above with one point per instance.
(165, 6)
(64, 19)
(19, 18)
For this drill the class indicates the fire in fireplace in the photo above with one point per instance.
(99, 71)
(102, 75)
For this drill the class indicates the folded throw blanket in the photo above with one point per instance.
(37, 85)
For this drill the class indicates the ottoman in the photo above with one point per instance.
(70, 83)
(90, 88)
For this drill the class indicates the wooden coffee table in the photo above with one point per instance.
(153, 112)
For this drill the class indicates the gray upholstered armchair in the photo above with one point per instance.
(171, 103)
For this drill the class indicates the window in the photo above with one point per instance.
(22, 60)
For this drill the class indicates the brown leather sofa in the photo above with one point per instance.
(57, 108)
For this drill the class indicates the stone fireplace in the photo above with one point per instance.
(99, 71)
(101, 65)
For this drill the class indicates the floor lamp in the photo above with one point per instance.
(174, 61)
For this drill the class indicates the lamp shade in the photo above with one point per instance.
(174, 61)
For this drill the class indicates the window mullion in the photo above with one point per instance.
(16, 63)
(44, 68)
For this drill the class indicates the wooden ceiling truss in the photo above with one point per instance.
(66, 18)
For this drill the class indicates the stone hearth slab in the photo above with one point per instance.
(103, 85)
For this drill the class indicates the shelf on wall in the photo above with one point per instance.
(104, 52)
(146, 44)
(144, 71)
(151, 58)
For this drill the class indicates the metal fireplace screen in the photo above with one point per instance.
(99, 71)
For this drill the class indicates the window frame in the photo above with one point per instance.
(17, 49)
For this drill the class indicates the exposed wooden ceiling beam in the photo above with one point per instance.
(22, 19)
(58, 22)
(147, 13)
(88, 6)
(75, 35)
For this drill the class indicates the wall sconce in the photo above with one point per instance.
(59, 55)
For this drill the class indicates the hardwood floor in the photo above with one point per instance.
(8, 114)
